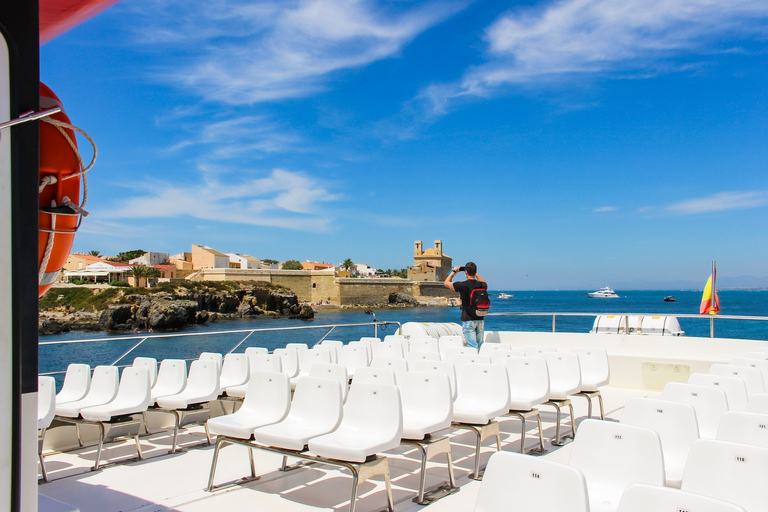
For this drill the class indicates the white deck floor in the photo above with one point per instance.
(165, 482)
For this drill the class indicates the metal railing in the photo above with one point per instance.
(711, 318)
(248, 333)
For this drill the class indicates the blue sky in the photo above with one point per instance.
(560, 145)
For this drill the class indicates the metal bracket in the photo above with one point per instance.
(30, 116)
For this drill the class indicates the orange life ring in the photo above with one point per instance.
(58, 222)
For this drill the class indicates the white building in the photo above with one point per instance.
(102, 271)
(365, 270)
(244, 261)
(150, 259)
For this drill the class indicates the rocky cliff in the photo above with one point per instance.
(167, 309)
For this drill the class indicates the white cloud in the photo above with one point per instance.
(578, 37)
(720, 202)
(244, 52)
(605, 209)
(281, 199)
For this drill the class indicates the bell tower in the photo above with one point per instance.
(418, 248)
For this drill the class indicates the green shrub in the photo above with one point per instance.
(119, 283)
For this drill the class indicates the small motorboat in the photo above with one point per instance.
(603, 293)
(505, 296)
(670, 298)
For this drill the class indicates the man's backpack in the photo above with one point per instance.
(479, 302)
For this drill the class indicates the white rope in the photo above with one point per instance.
(48, 180)
(61, 125)
(48, 247)
(66, 201)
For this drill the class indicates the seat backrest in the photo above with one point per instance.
(394, 337)
(365, 344)
(298, 347)
(134, 388)
(732, 472)
(595, 367)
(77, 382)
(312, 356)
(758, 403)
(104, 383)
(734, 387)
(389, 348)
(757, 355)
(760, 364)
(423, 344)
(264, 363)
(203, 378)
(235, 369)
(171, 378)
(487, 383)
(354, 355)
(602, 451)
(416, 356)
(448, 353)
(375, 409)
(460, 361)
(676, 424)
(334, 371)
(445, 367)
(445, 342)
(644, 498)
(536, 350)
(269, 395)
(710, 403)
(500, 356)
(396, 364)
(213, 356)
(564, 373)
(289, 360)
(378, 375)
(528, 379)
(531, 483)
(752, 377)
(150, 363)
(744, 427)
(428, 397)
(487, 349)
(370, 340)
(334, 347)
(317, 401)
(46, 401)
(252, 351)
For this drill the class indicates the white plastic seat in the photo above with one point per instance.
(760, 364)
(171, 378)
(46, 410)
(537, 350)
(520, 482)
(213, 356)
(528, 387)
(614, 455)
(234, 371)
(375, 375)
(595, 373)
(396, 364)
(448, 353)
(334, 347)
(645, 498)
(267, 401)
(150, 363)
(564, 380)
(445, 367)
(258, 362)
(427, 403)
(366, 343)
(298, 347)
(446, 342)
(103, 389)
(676, 424)
(487, 349)
(762, 355)
(353, 356)
(460, 361)
(417, 356)
(744, 427)
(395, 337)
(316, 409)
(133, 397)
(289, 360)
(483, 395)
(253, 351)
(423, 344)
(710, 403)
(734, 387)
(77, 382)
(202, 386)
(389, 349)
(500, 356)
(308, 359)
(333, 371)
(758, 403)
(732, 472)
(752, 377)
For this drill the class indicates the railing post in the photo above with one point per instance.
(553, 323)
(711, 326)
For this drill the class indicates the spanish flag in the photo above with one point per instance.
(707, 304)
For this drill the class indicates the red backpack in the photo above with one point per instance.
(479, 302)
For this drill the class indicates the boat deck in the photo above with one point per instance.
(176, 482)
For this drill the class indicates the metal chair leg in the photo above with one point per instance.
(101, 443)
(40, 442)
(219, 443)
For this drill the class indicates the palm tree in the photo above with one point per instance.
(95, 253)
(152, 273)
(137, 272)
(348, 264)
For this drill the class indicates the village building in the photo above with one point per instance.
(182, 260)
(150, 259)
(314, 265)
(243, 261)
(429, 265)
(207, 257)
(78, 261)
(100, 272)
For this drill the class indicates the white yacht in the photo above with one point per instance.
(603, 293)
(503, 295)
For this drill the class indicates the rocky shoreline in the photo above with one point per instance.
(171, 311)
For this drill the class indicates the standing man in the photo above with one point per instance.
(472, 325)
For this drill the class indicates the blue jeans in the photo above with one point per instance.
(473, 332)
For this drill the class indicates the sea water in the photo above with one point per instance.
(55, 358)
